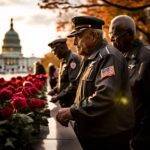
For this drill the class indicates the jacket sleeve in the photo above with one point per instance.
(142, 84)
(73, 70)
(107, 85)
(70, 90)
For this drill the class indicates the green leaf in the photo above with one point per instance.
(9, 142)
(2, 131)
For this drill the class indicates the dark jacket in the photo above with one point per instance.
(69, 69)
(138, 59)
(103, 105)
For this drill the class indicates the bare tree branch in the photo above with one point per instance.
(67, 5)
(125, 7)
(53, 5)
(85, 6)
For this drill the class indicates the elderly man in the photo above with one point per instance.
(123, 36)
(103, 109)
(69, 67)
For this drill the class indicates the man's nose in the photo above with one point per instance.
(112, 38)
(75, 41)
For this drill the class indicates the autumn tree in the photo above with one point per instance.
(105, 9)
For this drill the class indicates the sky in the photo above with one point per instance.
(36, 27)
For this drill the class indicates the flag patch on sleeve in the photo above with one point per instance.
(107, 72)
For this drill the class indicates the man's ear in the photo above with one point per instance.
(61, 47)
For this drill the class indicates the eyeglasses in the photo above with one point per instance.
(115, 36)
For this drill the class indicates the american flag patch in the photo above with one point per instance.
(107, 72)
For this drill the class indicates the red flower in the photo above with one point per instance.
(19, 102)
(42, 77)
(18, 94)
(20, 78)
(11, 88)
(30, 91)
(5, 94)
(2, 82)
(27, 84)
(36, 103)
(18, 83)
(7, 111)
(13, 79)
(19, 89)
(29, 78)
(39, 85)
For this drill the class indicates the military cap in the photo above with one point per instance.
(83, 22)
(57, 42)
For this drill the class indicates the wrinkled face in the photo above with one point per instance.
(84, 42)
(59, 50)
(119, 37)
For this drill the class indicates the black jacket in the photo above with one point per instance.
(69, 69)
(103, 105)
(138, 59)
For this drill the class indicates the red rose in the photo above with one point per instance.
(7, 111)
(20, 78)
(18, 94)
(11, 88)
(5, 94)
(19, 89)
(27, 84)
(19, 102)
(36, 103)
(2, 82)
(18, 83)
(39, 85)
(42, 77)
(13, 79)
(30, 91)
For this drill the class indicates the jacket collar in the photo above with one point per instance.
(97, 50)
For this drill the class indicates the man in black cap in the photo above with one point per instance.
(69, 67)
(103, 109)
(123, 36)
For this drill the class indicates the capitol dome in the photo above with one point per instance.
(11, 40)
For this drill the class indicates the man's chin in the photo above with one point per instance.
(81, 53)
(114, 44)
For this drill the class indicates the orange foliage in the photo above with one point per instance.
(50, 58)
(108, 13)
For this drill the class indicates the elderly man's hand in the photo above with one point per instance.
(54, 99)
(63, 116)
(51, 93)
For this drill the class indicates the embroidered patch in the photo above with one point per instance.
(73, 65)
(107, 72)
